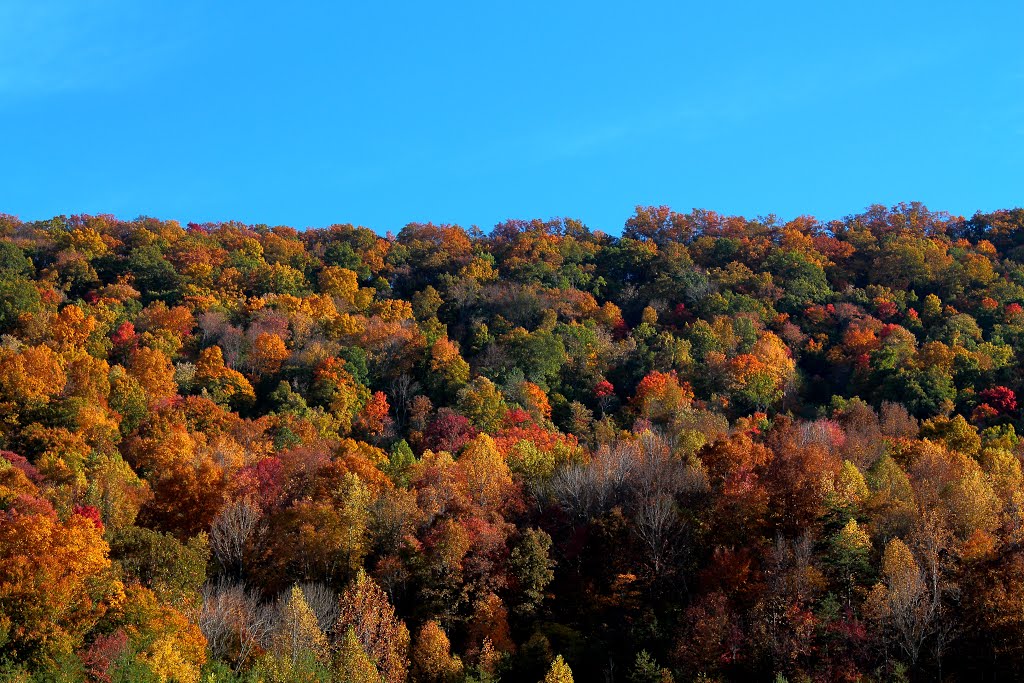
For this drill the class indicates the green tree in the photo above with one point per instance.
(646, 670)
(532, 568)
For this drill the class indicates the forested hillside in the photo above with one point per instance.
(711, 449)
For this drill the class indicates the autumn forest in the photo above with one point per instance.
(712, 448)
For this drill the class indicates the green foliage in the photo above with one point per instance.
(533, 568)
(18, 295)
(400, 461)
(646, 670)
(175, 571)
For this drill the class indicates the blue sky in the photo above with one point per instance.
(382, 113)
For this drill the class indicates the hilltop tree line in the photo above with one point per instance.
(712, 448)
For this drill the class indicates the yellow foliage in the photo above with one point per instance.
(177, 648)
(447, 363)
(559, 672)
(972, 504)
(431, 656)
(488, 478)
(31, 376)
(348, 325)
(852, 538)
(298, 632)
(394, 310)
(343, 284)
(479, 269)
(851, 486)
(352, 662)
(70, 328)
(267, 354)
(154, 371)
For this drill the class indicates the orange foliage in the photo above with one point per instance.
(659, 396)
(56, 580)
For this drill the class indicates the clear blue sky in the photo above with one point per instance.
(382, 113)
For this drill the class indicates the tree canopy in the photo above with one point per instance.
(711, 448)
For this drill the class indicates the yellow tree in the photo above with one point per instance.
(70, 328)
(891, 501)
(971, 503)
(850, 490)
(481, 401)
(267, 354)
(450, 371)
(343, 285)
(154, 371)
(850, 555)
(559, 672)
(32, 376)
(298, 634)
(222, 383)
(432, 660)
(488, 478)
(299, 650)
(351, 662)
(170, 645)
(902, 603)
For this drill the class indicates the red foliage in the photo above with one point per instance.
(265, 478)
(26, 504)
(862, 362)
(605, 388)
(1001, 398)
(21, 463)
(544, 439)
(818, 314)
(983, 412)
(101, 655)
(516, 416)
(449, 431)
(374, 419)
(90, 513)
(887, 329)
(682, 314)
(124, 335)
(885, 309)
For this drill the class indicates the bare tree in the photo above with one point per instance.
(231, 533)
(642, 475)
(932, 540)
(655, 481)
(324, 603)
(657, 524)
(403, 389)
(234, 622)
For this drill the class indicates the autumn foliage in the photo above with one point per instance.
(710, 448)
